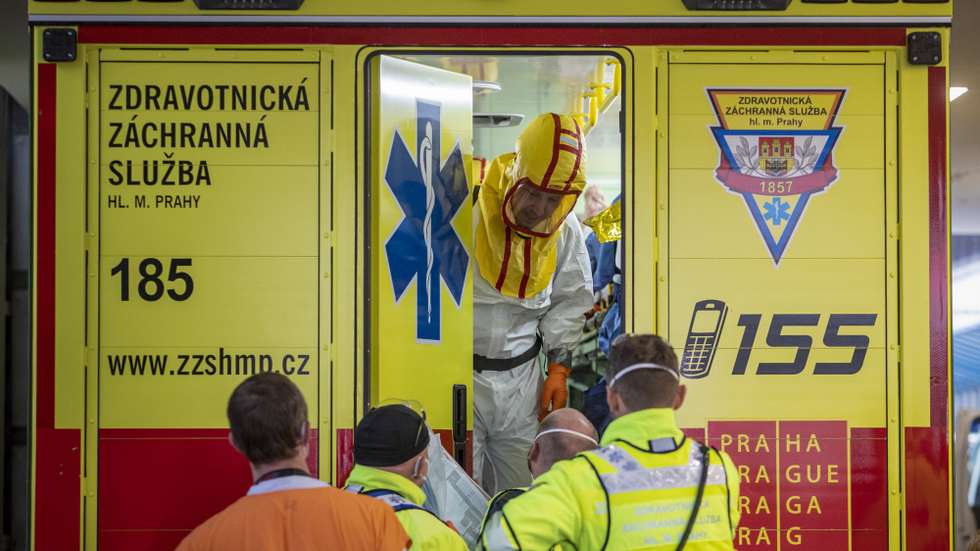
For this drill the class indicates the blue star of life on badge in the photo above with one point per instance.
(425, 246)
(777, 147)
(776, 211)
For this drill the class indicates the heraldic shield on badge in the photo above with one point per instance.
(776, 152)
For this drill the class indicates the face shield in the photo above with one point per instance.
(533, 210)
(548, 175)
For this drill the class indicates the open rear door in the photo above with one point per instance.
(421, 328)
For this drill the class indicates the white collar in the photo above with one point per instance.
(296, 482)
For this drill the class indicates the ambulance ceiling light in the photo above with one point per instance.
(496, 120)
(482, 87)
(956, 91)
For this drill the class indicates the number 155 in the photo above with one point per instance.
(777, 338)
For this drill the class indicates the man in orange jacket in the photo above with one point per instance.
(287, 509)
(533, 287)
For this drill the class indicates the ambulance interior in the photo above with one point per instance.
(509, 91)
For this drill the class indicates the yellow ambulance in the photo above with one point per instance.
(223, 187)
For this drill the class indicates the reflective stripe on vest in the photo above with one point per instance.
(395, 501)
(495, 535)
(630, 476)
(651, 498)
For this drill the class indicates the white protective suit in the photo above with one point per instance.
(506, 402)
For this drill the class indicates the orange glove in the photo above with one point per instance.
(596, 308)
(554, 393)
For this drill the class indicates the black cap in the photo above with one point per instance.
(389, 436)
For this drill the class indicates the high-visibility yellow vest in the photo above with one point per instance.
(650, 495)
(497, 503)
(427, 530)
(635, 492)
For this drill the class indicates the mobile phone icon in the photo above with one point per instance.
(702, 338)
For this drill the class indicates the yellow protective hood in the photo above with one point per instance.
(524, 201)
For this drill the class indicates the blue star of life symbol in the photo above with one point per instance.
(619, 458)
(776, 211)
(425, 246)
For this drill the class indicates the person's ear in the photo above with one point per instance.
(615, 402)
(420, 468)
(679, 396)
(535, 452)
(532, 459)
(231, 440)
(304, 438)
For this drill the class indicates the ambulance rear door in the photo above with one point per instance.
(420, 338)
(783, 307)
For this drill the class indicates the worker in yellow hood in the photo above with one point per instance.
(533, 288)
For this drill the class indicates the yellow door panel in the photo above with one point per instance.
(422, 333)
(777, 275)
(209, 206)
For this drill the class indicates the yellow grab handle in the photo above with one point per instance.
(617, 76)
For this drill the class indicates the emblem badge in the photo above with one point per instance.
(776, 152)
